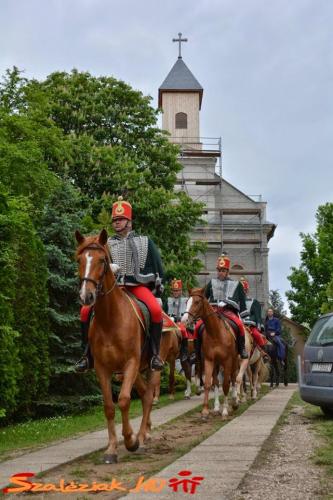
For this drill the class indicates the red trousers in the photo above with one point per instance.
(145, 295)
(142, 293)
(258, 338)
(185, 333)
(236, 319)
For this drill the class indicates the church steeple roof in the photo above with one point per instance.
(180, 79)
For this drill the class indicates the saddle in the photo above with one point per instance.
(143, 315)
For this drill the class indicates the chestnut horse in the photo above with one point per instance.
(169, 352)
(219, 349)
(117, 341)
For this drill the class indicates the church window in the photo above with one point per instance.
(181, 120)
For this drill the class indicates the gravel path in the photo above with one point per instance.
(284, 469)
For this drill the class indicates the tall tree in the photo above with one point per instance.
(23, 302)
(276, 302)
(62, 215)
(311, 281)
(117, 149)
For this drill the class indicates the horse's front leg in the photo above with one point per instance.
(226, 387)
(111, 454)
(145, 391)
(124, 400)
(157, 389)
(209, 367)
(255, 379)
(187, 368)
(172, 366)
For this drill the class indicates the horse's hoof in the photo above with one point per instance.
(110, 459)
(204, 418)
(187, 397)
(216, 413)
(155, 402)
(198, 392)
(134, 446)
(141, 450)
(171, 396)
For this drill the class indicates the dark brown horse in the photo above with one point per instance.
(219, 349)
(117, 341)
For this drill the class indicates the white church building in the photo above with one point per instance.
(236, 222)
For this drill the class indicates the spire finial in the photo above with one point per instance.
(179, 40)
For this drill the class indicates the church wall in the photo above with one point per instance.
(172, 103)
(252, 257)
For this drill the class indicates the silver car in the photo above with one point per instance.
(315, 370)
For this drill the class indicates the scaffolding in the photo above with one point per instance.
(202, 179)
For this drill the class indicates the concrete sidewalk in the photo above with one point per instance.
(226, 456)
(65, 451)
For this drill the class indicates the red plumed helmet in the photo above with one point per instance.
(223, 262)
(121, 208)
(176, 284)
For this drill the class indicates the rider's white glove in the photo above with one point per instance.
(114, 268)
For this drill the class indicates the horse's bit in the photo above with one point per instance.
(99, 284)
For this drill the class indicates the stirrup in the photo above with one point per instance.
(184, 357)
(193, 358)
(159, 363)
(82, 366)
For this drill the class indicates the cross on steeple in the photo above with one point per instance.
(179, 40)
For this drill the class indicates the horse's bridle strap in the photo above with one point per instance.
(99, 284)
(209, 314)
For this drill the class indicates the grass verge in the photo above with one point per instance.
(323, 426)
(38, 433)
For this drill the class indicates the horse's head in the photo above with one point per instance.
(195, 306)
(94, 263)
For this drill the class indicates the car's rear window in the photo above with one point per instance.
(322, 332)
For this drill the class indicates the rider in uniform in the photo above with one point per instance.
(175, 307)
(229, 296)
(137, 263)
(254, 318)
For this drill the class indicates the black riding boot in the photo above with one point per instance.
(184, 350)
(87, 361)
(197, 349)
(241, 346)
(155, 339)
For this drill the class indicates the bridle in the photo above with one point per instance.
(194, 317)
(99, 284)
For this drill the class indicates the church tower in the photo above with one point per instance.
(180, 97)
(235, 222)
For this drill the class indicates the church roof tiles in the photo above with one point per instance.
(180, 79)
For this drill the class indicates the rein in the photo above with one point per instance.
(99, 284)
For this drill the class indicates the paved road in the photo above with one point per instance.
(52, 456)
(222, 460)
(226, 456)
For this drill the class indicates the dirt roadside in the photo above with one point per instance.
(283, 469)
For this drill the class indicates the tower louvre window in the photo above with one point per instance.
(181, 120)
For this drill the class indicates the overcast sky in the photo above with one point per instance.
(265, 65)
